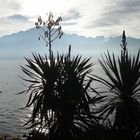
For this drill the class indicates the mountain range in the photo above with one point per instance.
(23, 43)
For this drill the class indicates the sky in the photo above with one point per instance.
(88, 18)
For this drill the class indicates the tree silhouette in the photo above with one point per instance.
(51, 30)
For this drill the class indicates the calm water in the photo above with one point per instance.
(12, 118)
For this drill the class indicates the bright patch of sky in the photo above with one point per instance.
(83, 17)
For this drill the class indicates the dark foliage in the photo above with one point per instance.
(63, 99)
(59, 94)
(122, 98)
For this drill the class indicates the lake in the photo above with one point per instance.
(12, 118)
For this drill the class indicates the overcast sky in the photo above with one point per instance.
(84, 17)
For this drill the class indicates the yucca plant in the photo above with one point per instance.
(60, 92)
(122, 98)
(59, 95)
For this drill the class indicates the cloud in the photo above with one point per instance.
(117, 16)
(9, 7)
(12, 24)
(18, 17)
(70, 15)
(11, 18)
(119, 13)
(83, 17)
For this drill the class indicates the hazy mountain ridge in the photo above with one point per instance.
(18, 45)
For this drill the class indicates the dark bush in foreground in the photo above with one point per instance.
(122, 98)
(60, 94)
(63, 99)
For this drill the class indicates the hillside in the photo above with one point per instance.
(22, 44)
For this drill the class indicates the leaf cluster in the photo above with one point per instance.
(60, 94)
(121, 102)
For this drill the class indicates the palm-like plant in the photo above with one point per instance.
(59, 95)
(122, 99)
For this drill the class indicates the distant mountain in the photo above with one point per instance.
(22, 44)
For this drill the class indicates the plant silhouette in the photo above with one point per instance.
(122, 98)
(63, 98)
(60, 91)
(51, 30)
